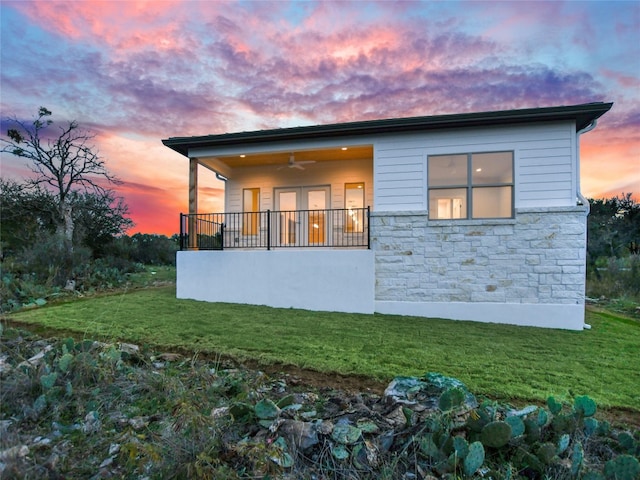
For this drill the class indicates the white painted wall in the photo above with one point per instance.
(566, 317)
(311, 279)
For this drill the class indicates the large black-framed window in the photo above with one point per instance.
(471, 185)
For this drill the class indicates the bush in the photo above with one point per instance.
(615, 277)
(38, 275)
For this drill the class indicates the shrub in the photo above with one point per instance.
(615, 277)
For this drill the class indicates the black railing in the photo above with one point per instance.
(336, 228)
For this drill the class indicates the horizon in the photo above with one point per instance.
(137, 72)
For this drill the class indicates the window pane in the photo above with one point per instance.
(492, 168)
(447, 170)
(447, 203)
(492, 202)
(354, 203)
(250, 203)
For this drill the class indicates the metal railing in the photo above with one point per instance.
(336, 228)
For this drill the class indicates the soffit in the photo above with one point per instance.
(282, 158)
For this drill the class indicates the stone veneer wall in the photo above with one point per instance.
(536, 258)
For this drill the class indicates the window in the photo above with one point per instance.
(471, 185)
(250, 208)
(354, 204)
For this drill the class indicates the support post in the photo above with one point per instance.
(193, 203)
(368, 227)
(268, 229)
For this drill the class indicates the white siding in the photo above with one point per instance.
(544, 155)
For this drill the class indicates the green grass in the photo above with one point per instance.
(500, 361)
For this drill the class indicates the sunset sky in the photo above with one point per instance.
(135, 72)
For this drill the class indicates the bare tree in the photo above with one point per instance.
(63, 161)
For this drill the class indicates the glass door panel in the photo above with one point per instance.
(302, 217)
(316, 226)
(287, 204)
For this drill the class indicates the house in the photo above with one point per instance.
(474, 216)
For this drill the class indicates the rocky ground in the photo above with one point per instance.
(84, 409)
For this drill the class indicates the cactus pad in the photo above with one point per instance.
(546, 452)
(577, 456)
(496, 434)
(474, 459)
(554, 406)
(623, 467)
(584, 406)
(517, 426)
(450, 399)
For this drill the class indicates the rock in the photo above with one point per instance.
(138, 423)
(37, 358)
(397, 417)
(4, 366)
(301, 434)
(426, 390)
(4, 426)
(325, 427)
(170, 357)
(14, 452)
(92, 423)
(129, 348)
(220, 412)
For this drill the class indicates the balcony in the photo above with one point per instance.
(270, 229)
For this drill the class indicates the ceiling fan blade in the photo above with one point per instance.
(297, 165)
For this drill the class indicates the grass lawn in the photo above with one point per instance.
(500, 361)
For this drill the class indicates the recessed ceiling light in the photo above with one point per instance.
(242, 156)
(478, 169)
(344, 148)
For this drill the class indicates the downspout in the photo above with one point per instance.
(581, 197)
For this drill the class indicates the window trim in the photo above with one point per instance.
(470, 186)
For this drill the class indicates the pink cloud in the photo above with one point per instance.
(123, 25)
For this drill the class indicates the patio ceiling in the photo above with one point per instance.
(282, 158)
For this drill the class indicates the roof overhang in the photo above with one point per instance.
(583, 115)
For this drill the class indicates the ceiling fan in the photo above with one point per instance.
(293, 164)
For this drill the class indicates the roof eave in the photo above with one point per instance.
(583, 115)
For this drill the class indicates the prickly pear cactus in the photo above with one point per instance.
(623, 467)
(543, 417)
(461, 447)
(546, 452)
(628, 443)
(563, 444)
(517, 426)
(474, 459)
(577, 457)
(584, 406)
(554, 405)
(590, 426)
(477, 419)
(496, 434)
(532, 431)
(451, 399)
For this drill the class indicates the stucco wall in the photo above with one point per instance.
(312, 279)
(528, 271)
